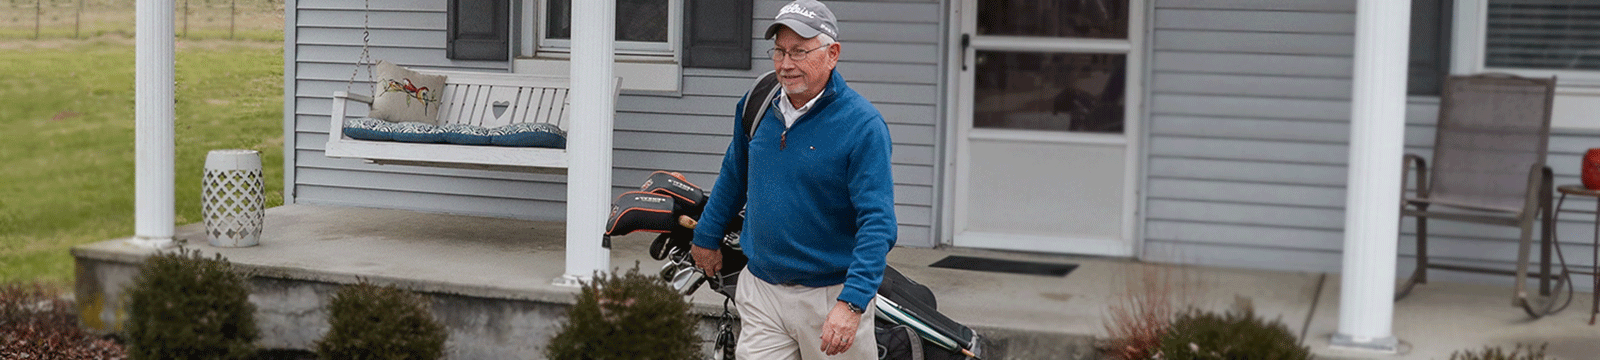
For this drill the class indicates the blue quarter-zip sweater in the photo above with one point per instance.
(820, 202)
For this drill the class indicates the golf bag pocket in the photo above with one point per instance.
(641, 211)
(897, 342)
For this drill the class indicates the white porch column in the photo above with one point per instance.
(1372, 207)
(589, 169)
(153, 122)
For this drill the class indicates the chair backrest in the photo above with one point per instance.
(493, 100)
(1492, 130)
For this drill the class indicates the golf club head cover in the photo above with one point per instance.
(671, 243)
(641, 211)
(691, 199)
(659, 249)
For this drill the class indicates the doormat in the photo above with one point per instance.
(1004, 266)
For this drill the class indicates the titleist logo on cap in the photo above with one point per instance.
(796, 9)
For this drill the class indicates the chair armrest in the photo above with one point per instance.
(338, 95)
(1421, 165)
(1539, 188)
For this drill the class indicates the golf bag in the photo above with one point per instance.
(908, 325)
(902, 302)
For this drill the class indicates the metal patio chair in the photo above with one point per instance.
(1489, 167)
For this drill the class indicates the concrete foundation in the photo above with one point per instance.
(490, 280)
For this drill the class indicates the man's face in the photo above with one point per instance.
(804, 79)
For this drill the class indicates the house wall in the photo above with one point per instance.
(1248, 144)
(890, 55)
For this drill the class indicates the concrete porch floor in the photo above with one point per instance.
(307, 251)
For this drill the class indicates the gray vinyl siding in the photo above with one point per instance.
(891, 52)
(1249, 126)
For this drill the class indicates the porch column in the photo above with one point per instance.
(589, 168)
(153, 125)
(1372, 206)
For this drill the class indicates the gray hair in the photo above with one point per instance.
(826, 40)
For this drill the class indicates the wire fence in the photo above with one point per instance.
(195, 19)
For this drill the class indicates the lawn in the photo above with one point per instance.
(67, 148)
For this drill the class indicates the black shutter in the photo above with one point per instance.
(717, 33)
(479, 30)
(1430, 46)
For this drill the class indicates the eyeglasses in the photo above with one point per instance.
(797, 55)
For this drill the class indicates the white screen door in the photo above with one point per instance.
(1046, 137)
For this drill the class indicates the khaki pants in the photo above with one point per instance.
(784, 322)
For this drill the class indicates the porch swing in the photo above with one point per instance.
(481, 100)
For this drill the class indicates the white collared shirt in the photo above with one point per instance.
(786, 108)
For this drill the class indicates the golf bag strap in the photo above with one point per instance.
(766, 84)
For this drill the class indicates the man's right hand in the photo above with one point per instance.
(706, 259)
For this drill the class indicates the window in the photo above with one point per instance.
(655, 39)
(1535, 38)
(1543, 34)
(644, 27)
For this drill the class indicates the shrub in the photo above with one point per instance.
(372, 322)
(37, 324)
(185, 306)
(629, 316)
(1235, 335)
(1139, 317)
(1497, 353)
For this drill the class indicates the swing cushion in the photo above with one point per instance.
(401, 95)
(415, 132)
(529, 135)
(465, 134)
(369, 129)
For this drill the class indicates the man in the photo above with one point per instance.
(818, 199)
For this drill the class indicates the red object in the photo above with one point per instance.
(1591, 169)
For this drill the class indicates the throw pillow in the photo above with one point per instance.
(529, 135)
(402, 95)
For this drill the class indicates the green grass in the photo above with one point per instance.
(11, 34)
(67, 144)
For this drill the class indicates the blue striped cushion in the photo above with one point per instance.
(465, 134)
(368, 129)
(529, 135)
(415, 132)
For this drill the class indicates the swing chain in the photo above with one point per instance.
(366, 41)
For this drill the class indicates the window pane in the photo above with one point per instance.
(1103, 19)
(1543, 34)
(637, 20)
(1038, 91)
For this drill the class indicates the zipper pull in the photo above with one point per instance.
(783, 140)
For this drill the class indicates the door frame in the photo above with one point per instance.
(960, 53)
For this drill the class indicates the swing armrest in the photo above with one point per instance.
(337, 115)
(343, 95)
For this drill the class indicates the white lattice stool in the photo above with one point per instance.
(232, 198)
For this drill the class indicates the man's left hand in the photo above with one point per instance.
(839, 332)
